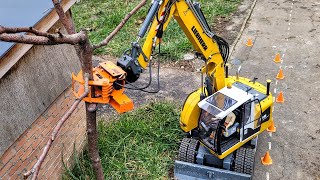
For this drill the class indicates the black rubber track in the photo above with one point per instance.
(188, 150)
(183, 149)
(244, 160)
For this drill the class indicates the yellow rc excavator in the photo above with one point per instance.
(222, 119)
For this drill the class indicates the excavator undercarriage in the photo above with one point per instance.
(197, 162)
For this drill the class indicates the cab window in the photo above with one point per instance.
(247, 113)
(221, 101)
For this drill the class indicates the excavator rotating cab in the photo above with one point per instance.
(221, 123)
(223, 144)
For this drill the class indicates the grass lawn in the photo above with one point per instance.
(103, 16)
(140, 145)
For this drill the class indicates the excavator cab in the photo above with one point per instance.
(227, 118)
(223, 144)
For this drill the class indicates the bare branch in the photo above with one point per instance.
(36, 168)
(65, 20)
(9, 34)
(122, 23)
(12, 30)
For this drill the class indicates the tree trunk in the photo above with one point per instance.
(93, 141)
(91, 113)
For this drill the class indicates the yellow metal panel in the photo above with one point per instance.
(147, 46)
(190, 113)
(193, 29)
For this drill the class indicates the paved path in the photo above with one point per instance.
(290, 27)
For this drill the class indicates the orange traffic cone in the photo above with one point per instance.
(280, 74)
(266, 159)
(280, 98)
(272, 128)
(277, 59)
(249, 42)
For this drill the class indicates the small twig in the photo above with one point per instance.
(36, 168)
(122, 23)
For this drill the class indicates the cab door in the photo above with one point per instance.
(248, 126)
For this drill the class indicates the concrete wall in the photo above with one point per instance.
(29, 88)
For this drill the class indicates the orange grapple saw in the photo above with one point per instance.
(107, 86)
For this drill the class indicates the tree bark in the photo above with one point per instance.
(92, 134)
(65, 20)
(9, 34)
